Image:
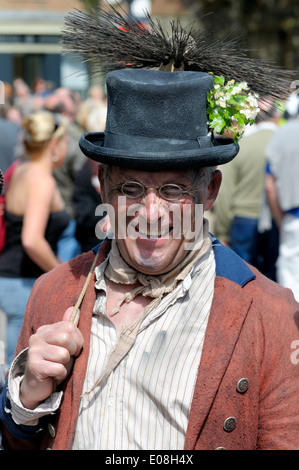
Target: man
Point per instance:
(240, 201)
(283, 198)
(179, 343)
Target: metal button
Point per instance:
(242, 385)
(51, 430)
(221, 448)
(229, 424)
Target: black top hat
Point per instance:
(157, 121)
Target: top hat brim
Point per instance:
(223, 151)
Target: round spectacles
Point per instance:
(170, 192)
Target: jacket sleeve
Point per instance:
(279, 413)
(49, 291)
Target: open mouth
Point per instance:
(152, 234)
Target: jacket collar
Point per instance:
(230, 266)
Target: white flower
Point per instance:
(244, 86)
(249, 113)
(236, 90)
(222, 102)
(252, 101)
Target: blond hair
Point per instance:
(42, 126)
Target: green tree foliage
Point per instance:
(270, 28)
(90, 4)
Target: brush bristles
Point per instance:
(110, 41)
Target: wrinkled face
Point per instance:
(153, 230)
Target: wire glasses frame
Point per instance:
(169, 191)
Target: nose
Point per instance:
(152, 203)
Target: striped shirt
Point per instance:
(143, 399)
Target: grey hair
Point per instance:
(204, 175)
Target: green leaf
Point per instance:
(228, 113)
(219, 124)
(219, 79)
(211, 102)
(241, 119)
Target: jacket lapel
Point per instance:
(229, 309)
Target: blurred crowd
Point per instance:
(257, 210)
(83, 115)
(51, 198)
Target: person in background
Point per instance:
(282, 193)
(35, 217)
(23, 98)
(86, 198)
(11, 145)
(61, 101)
(237, 209)
(91, 117)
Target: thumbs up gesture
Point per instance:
(51, 354)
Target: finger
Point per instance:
(63, 334)
(43, 370)
(59, 354)
(68, 337)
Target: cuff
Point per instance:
(20, 414)
(22, 422)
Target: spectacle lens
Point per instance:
(172, 192)
(132, 189)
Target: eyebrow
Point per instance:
(172, 180)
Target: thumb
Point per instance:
(68, 315)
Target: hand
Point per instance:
(51, 354)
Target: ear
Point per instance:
(213, 189)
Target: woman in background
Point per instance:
(35, 218)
